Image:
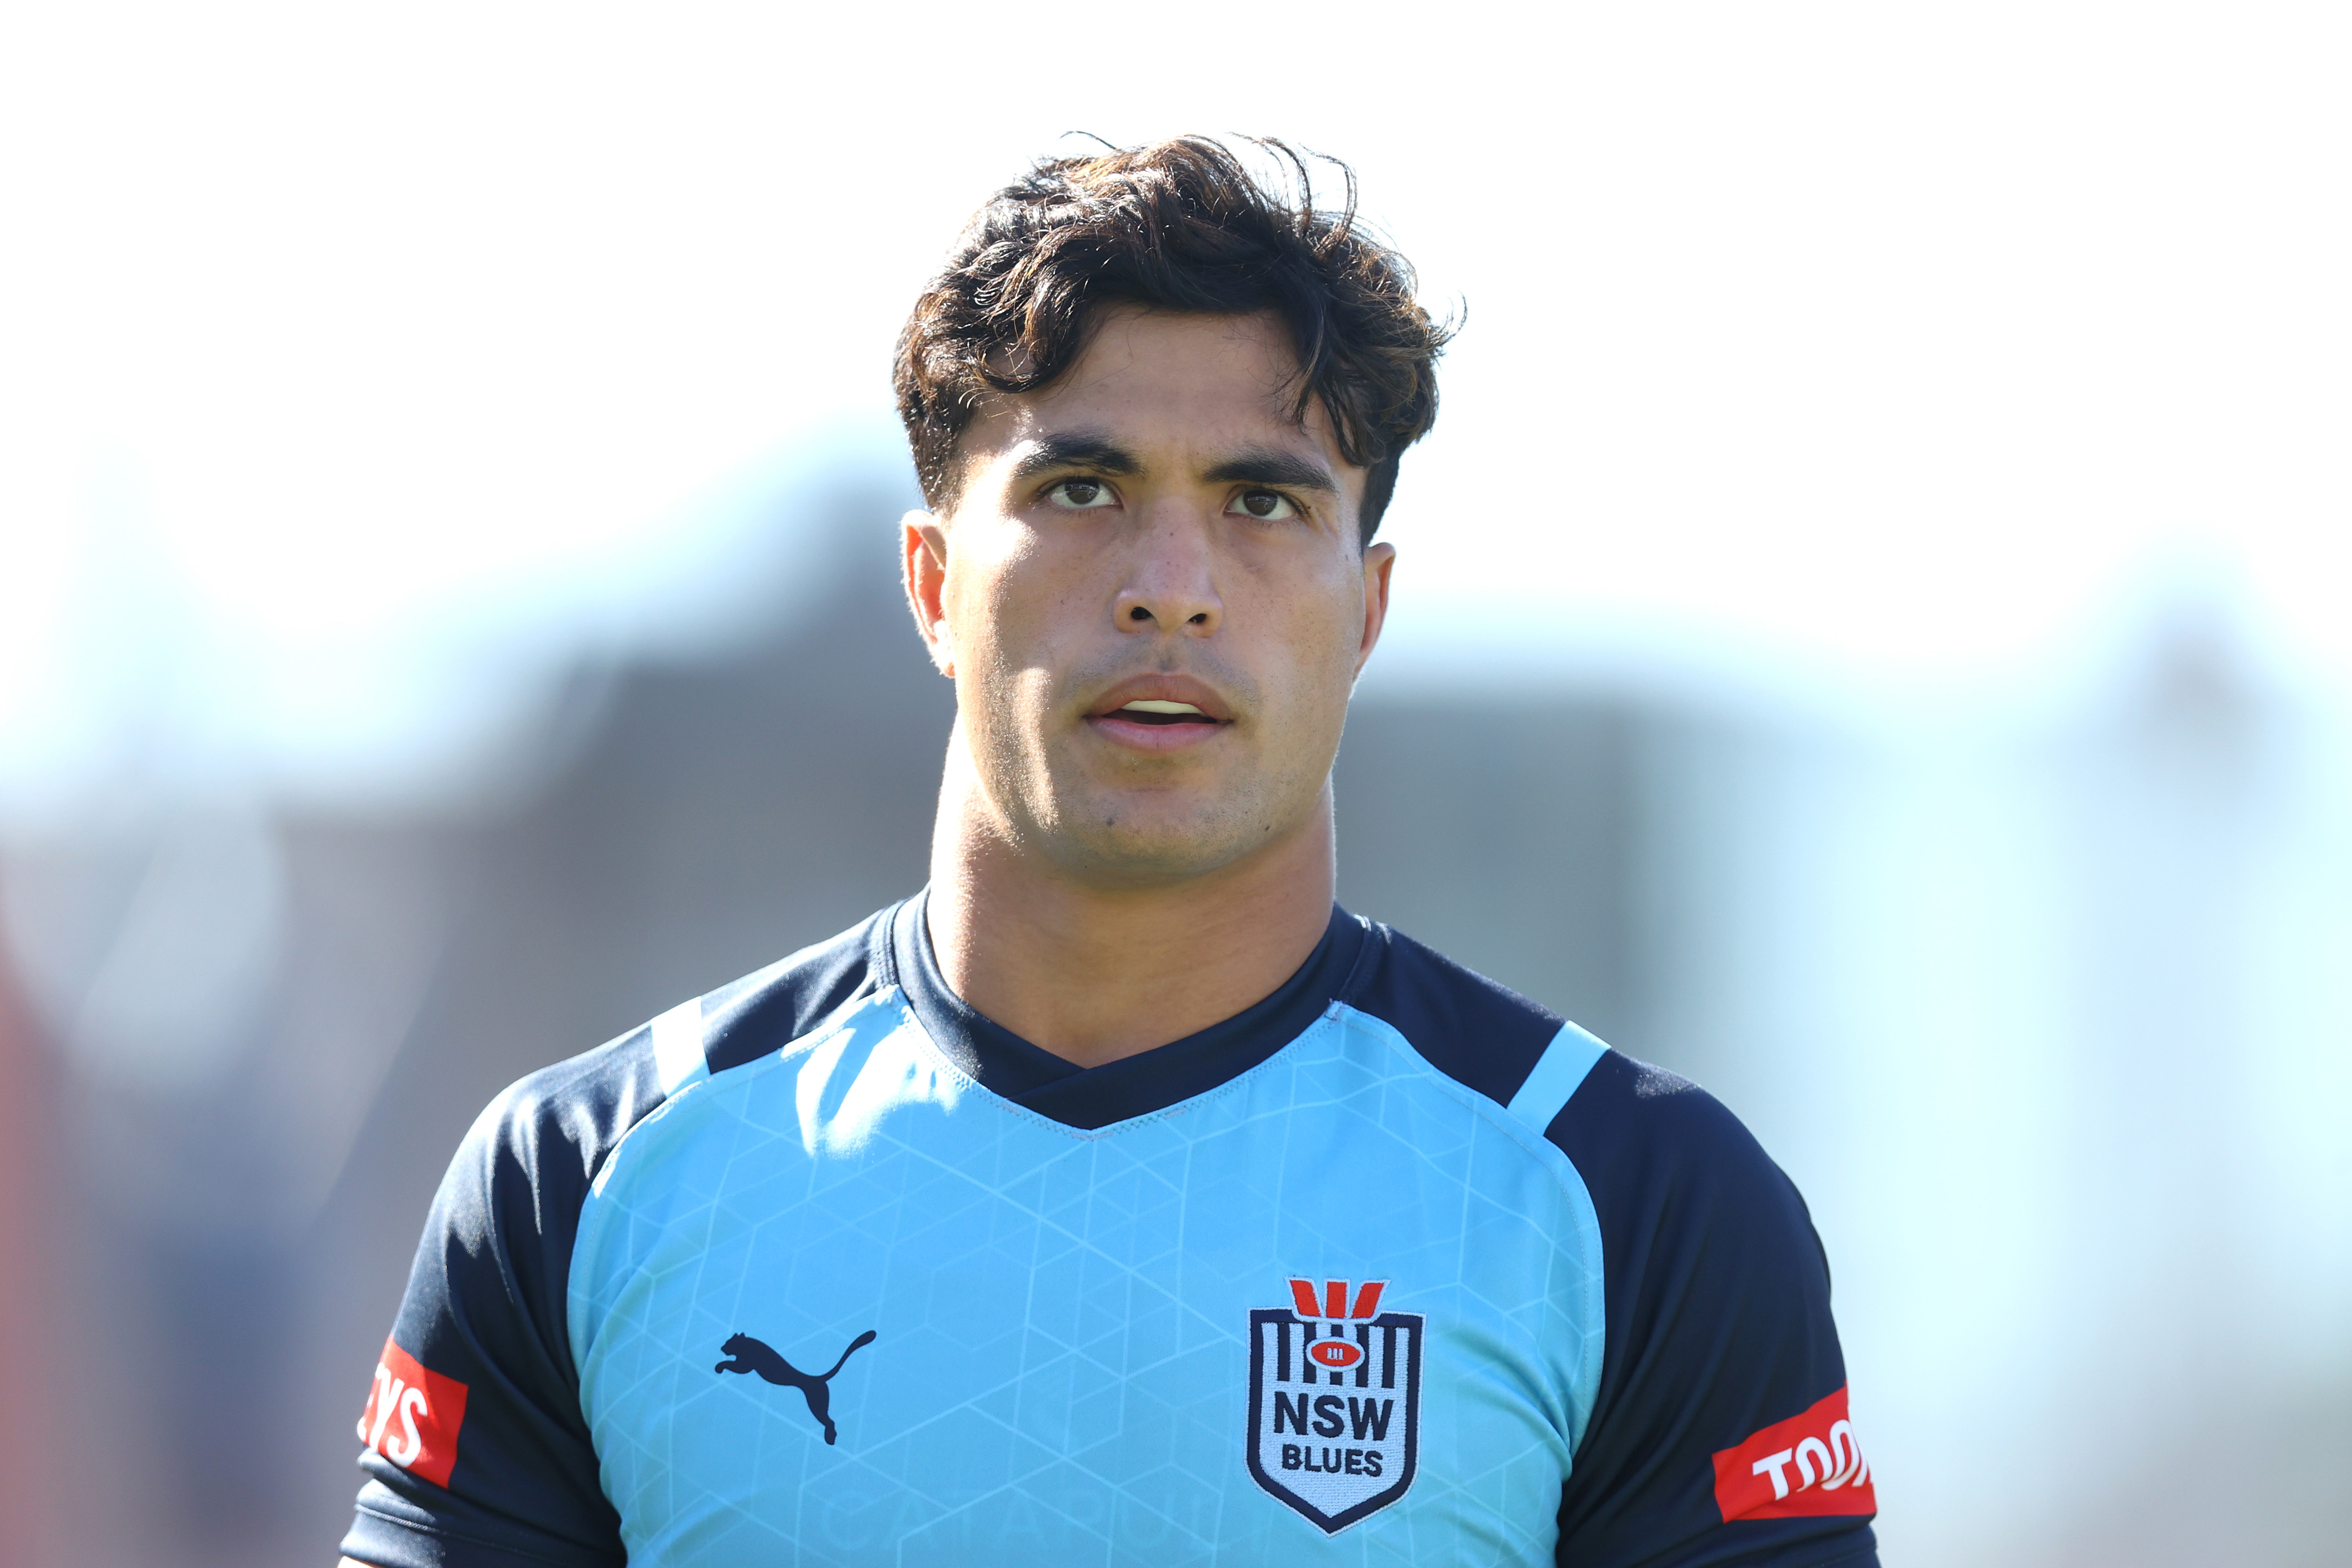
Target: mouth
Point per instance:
(1167, 713)
(1157, 711)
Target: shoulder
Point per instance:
(1720, 1333)
(1682, 1192)
(767, 1010)
(1484, 1036)
(496, 1256)
(1623, 1123)
(1657, 1151)
(1716, 1291)
(553, 1131)
(485, 1318)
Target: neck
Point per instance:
(1095, 973)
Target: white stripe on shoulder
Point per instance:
(1557, 1073)
(678, 1047)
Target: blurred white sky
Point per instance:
(357, 363)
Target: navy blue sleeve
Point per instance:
(1719, 1436)
(477, 1452)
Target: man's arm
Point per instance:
(476, 1450)
(1720, 1432)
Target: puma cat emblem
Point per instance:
(745, 1354)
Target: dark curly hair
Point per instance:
(1181, 226)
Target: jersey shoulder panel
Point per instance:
(765, 1011)
(476, 1448)
(1484, 1036)
(1719, 1329)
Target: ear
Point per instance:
(924, 557)
(1378, 560)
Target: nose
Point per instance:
(1171, 580)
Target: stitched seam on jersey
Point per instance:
(882, 950)
(1540, 1148)
(924, 1042)
(442, 1533)
(1555, 1162)
(1588, 1043)
(1369, 954)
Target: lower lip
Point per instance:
(1154, 737)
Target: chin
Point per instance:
(1131, 844)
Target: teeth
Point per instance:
(1153, 704)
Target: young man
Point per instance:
(1118, 1198)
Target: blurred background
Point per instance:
(1871, 633)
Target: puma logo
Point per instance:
(745, 1354)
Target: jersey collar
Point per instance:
(1005, 1064)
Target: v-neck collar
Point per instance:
(1091, 1097)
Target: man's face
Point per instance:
(1154, 529)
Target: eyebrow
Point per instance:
(1253, 466)
(1075, 449)
(1264, 465)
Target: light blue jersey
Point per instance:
(827, 1269)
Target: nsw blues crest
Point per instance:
(1334, 1401)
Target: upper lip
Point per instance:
(1161, 688)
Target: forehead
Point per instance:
(1181, 385)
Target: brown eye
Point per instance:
(1080, 494)
(1265, 505)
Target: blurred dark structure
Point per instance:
(1513, 836)
(245, 1238)
(30, 1308)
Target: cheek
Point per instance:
(1020, 621)
(1320, 631)
(1022, 591)
(990, 595)
(1326, 619)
